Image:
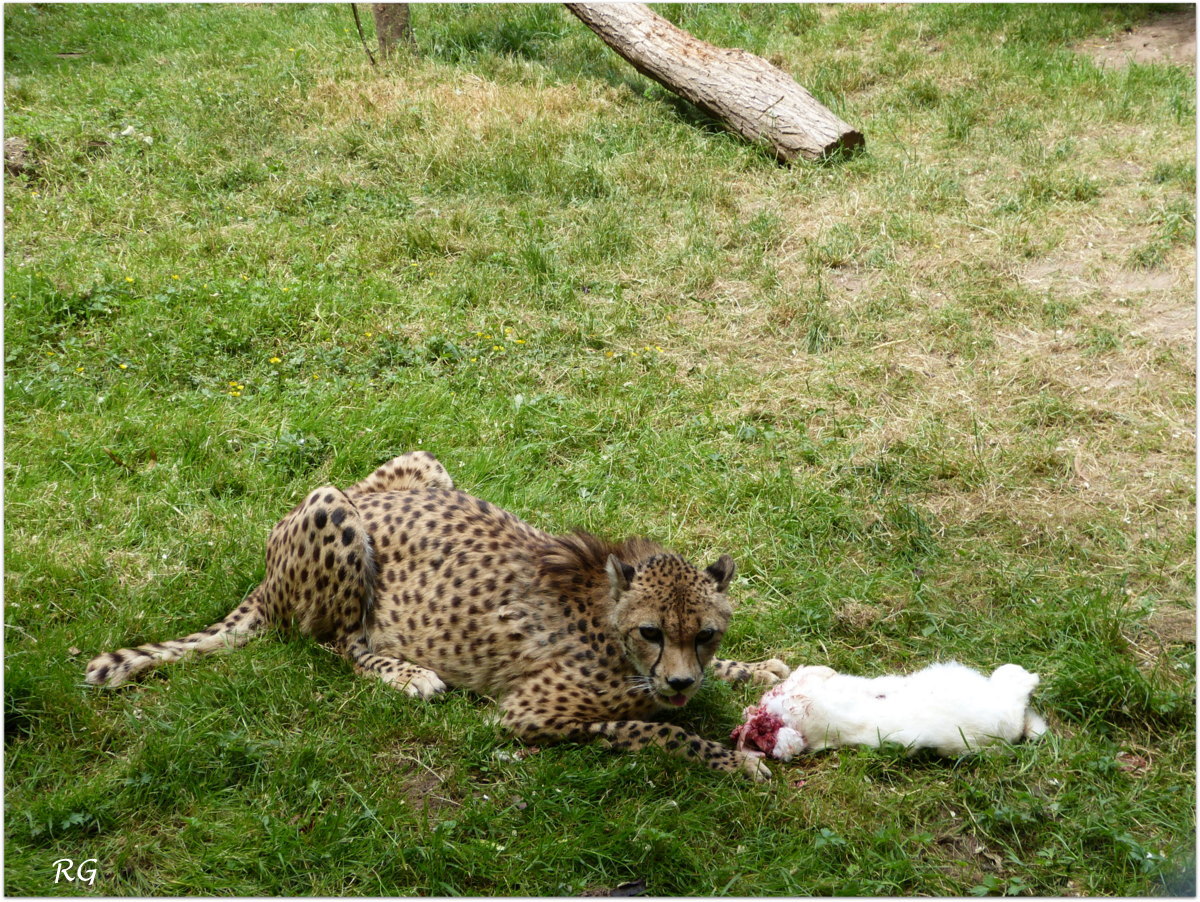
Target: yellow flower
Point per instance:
(79, 369)
(123, 366)
(473, 359)
(236, 394)
(285, 288)
(129, 278)
(657, 348)
(174, 277)
(369, 334)
(497, 347)
(608, 353)
(508, 331)
(520, 341)
(276, 360)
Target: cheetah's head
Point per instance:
(670, 618)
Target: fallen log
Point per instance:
(750, 96)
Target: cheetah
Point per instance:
(426, 587)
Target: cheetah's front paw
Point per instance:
(753, 766)
(769, 672)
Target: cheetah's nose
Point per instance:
(680, 683)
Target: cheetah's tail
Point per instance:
(233, 631)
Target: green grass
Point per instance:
(937, 400)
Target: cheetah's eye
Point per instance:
(651, 633)
(705, 636)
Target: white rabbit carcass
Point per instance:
(947, 707)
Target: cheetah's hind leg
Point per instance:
(417, 681)
(414, 470)
(320, 573)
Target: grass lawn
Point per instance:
(936, 400)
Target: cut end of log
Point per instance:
(847, 144)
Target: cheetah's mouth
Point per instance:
(678, 700)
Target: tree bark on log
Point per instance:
(745, 92)
(392, 27)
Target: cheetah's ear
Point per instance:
(620, 575)
(722, 571)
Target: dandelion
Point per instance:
(520, 341)
(176, 278)
(369, 334)
(497, 347)
(285, 288)
(473, 359)
(79, 369)
(276, 360)
(657, 348)
(508, 331)
(123, 366)
(608, 353)
(129, 278)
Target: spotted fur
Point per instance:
(424, 586)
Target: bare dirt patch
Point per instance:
(17, 159)
(1169, 323)
(1174, 625)
(1167, 38)
(423, 791)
